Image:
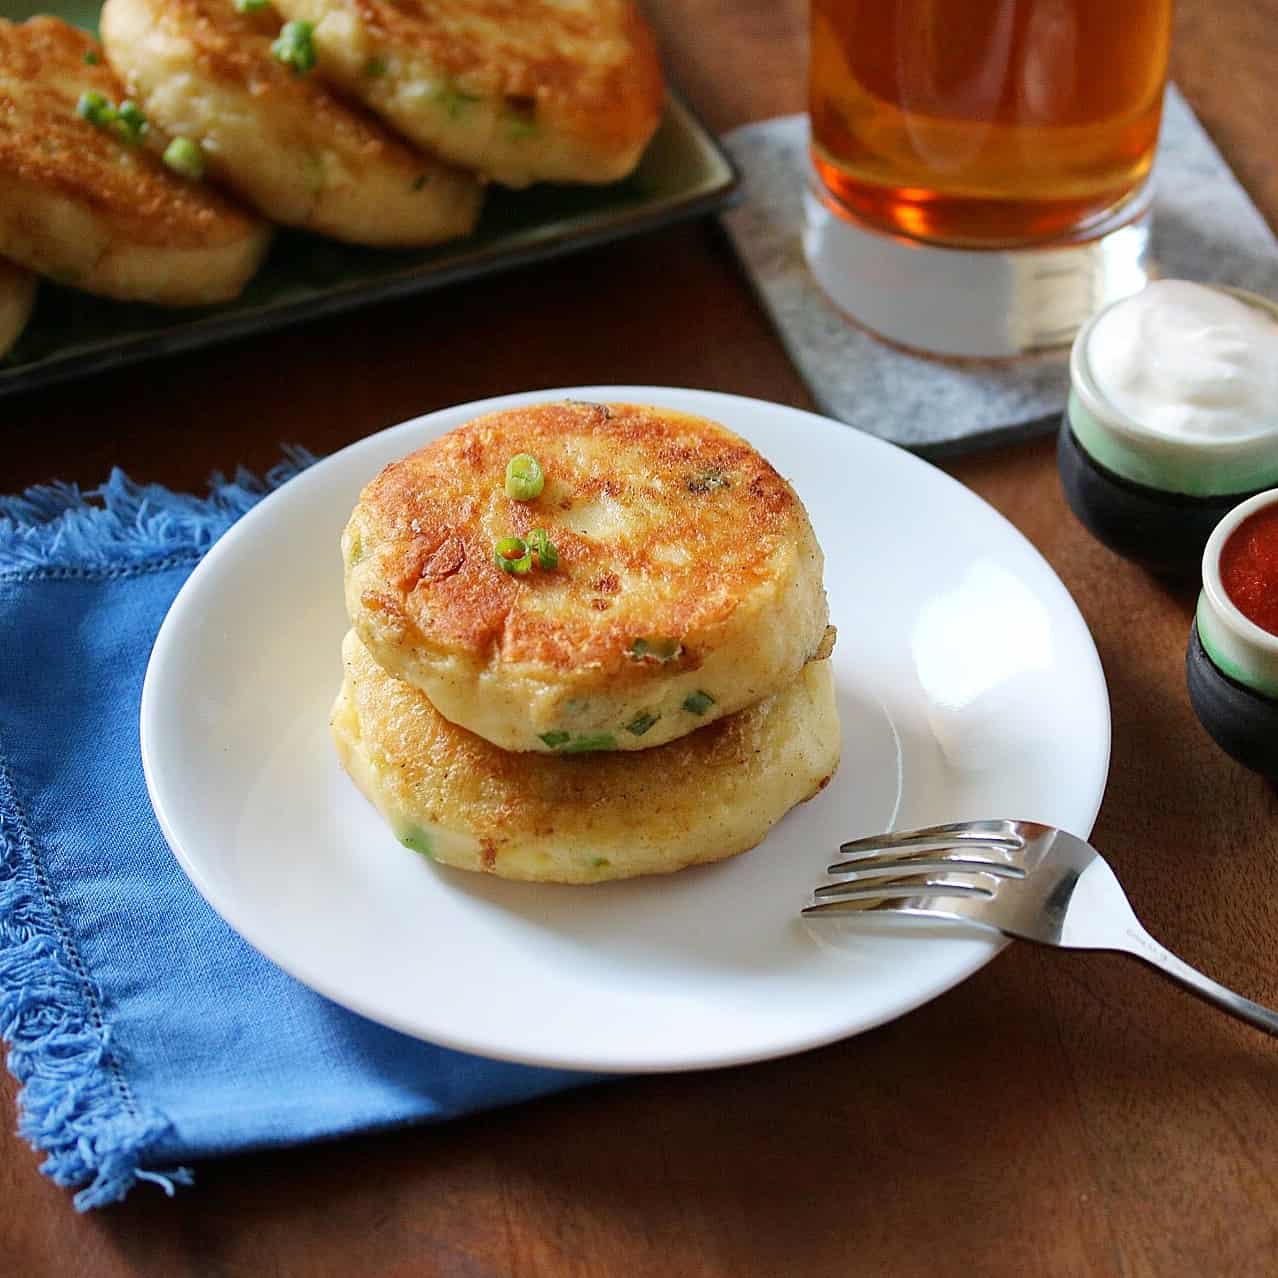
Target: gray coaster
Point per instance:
(1205, 228)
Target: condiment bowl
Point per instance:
(1232, 662)
(1152, 500)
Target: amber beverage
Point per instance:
(986, 123)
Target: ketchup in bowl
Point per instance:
(1232, 661)
(1249, 568)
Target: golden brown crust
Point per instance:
(533, 793)
(518, 90)
(283, 142)
(665, 485)
(688, 584)
(45, 146)
(595, 64)
(225, 43)
(235, 49)
(701, 798)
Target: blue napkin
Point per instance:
(142, 1030)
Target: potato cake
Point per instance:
(17, 296)
(456, 798)
(82, 204)
(274, 133)
(687, 581)
(520, 90)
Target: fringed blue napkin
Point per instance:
(143, 1031)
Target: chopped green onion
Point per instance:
(251, 6)
(524, 478)
(641, 723)
(643, 649)
(375, 68)
(91, 57)
(566, 743)
(581, 745)
(127, 121)
(94, 108)
(547, 555)
(600, 863)
(512, 555)
(295, 47)
(520, 127)
(185, 158)
(420, 181)
(418, 841)
(453, 99)
(698, 702)
(130, 122)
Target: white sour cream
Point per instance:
(1188, 363)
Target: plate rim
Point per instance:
(244, 528)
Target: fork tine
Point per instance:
(925, 910)
(997, 834)
(917, 847)
(956, 862)
(862, 897)
(903, 888)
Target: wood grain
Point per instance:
(1060, 1115)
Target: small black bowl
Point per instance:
(1244, 723)
(1165, 532)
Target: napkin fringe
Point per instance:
(75, 1105)
(111, 530)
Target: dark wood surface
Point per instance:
(1056, 1114)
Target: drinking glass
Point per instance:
(981, 168)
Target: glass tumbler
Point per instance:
(980, 169)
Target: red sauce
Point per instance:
(1249, 568)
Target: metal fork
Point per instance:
(1026, 880)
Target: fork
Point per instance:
(1025, 880)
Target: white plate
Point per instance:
(968, 687)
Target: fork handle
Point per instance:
(1141, 945)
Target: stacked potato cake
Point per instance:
(588, 641)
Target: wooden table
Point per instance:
(1054, 1115)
